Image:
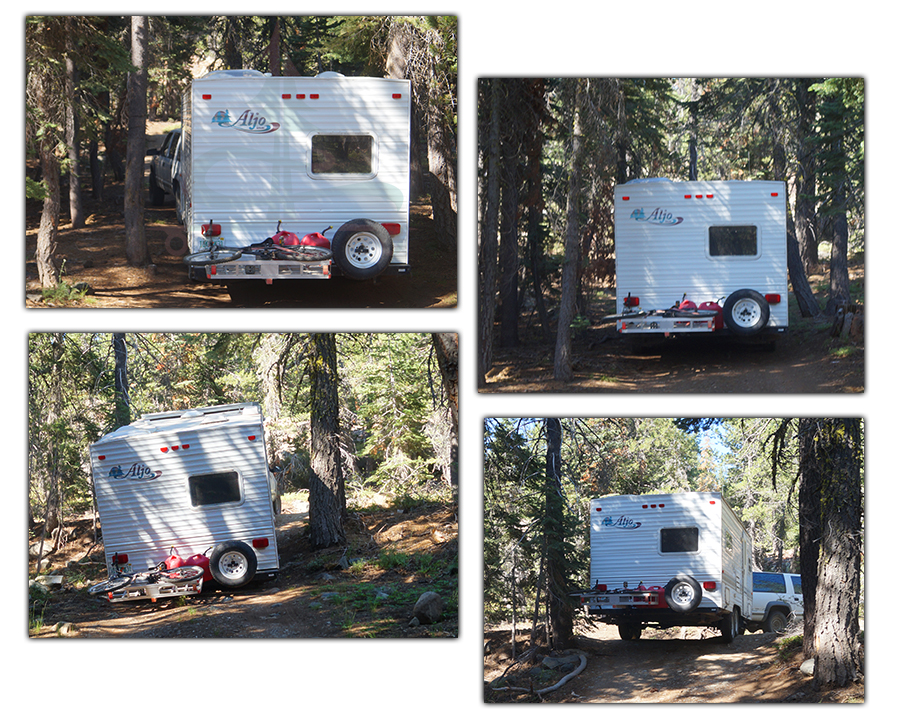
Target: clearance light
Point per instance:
(251, 437)
(260, 543)
(599, 509)
(773, 298)
(393, 228)
(774, 194)
(314, 95)
(301, 95)
(101, 457)
(206, 96)
(285, 95)
(397, 95)
(625, 199)
(709, 585)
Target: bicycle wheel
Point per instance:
(214, 257)
(303, 253)
(181, 574)
(111, 584)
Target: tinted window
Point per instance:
(769, 583)
(341, 154)
(732, 241)
(216, 488)
(795, 582)
(679, 540)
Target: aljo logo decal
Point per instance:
(137, 471)
(621, 522)
(249, 122)
(659, 216)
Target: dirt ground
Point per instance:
(94, 256)
(806, 359)
(312, 596)
(673, 666)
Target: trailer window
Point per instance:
(342, 154)
(679, 540)
(737, 241)
(215, 488)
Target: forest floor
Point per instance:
(806, 359)
(695, 666)
(94, 258)
(402, 554)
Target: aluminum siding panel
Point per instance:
(625, 540)
(661, 263)
(144, 516)
(248, 182)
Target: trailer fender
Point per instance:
(362, 249)
(233, 564)
(683, 594)
(746, 312)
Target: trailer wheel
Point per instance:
(730, 625)
(362, 249)
(629, 632)
(683, 594)
(232, 564)
(746, 312)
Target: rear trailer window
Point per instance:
(215, 488)
(342, 154)
(733, 241)
(769, 583)
(679, 540)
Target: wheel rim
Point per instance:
(747, 313)
(233, 565)
(683, 594)
(364, 250)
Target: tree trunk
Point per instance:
(487, 253)
(76, 209)
(446, 346)
(136, 251)
(805, 206)
(120, 384)
(509, 253)
(809, 499)
(560, 612)
(45, 254)
(837, 646)
(562, 362)
(327, 504)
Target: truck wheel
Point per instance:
(746, 312)
(362, 249)
(629, 632)
(683, 594)
(776, 622)
(232, 564)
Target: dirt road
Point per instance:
(675, 666)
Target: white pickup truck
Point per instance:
(777, 600)
(165, 176)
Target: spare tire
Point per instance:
(362, 249)
(233, 564)
(683, 594)
(746, 312)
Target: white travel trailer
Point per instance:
(187, 483)
(678, 559)
(701, 257)
(326, 155)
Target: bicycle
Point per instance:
(272, 248)
(159, 573)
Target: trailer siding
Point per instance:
(250, 181)
(661, 263)
(142, 490)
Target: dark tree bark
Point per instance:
(831, 460)
(560, 614)
(487, 254)
(509, 247)
(120, 384)
(805, 207)
(76, 209)
(446, 346)
(136, 251)
(327, 502)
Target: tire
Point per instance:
(303, 253)
(181, 574)
(776, 622)
(730, 626)
(745, 312)
(683, 594)
(362, 249)
(629, 632)
(213, 257)
(232, 564)
(111, 584)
